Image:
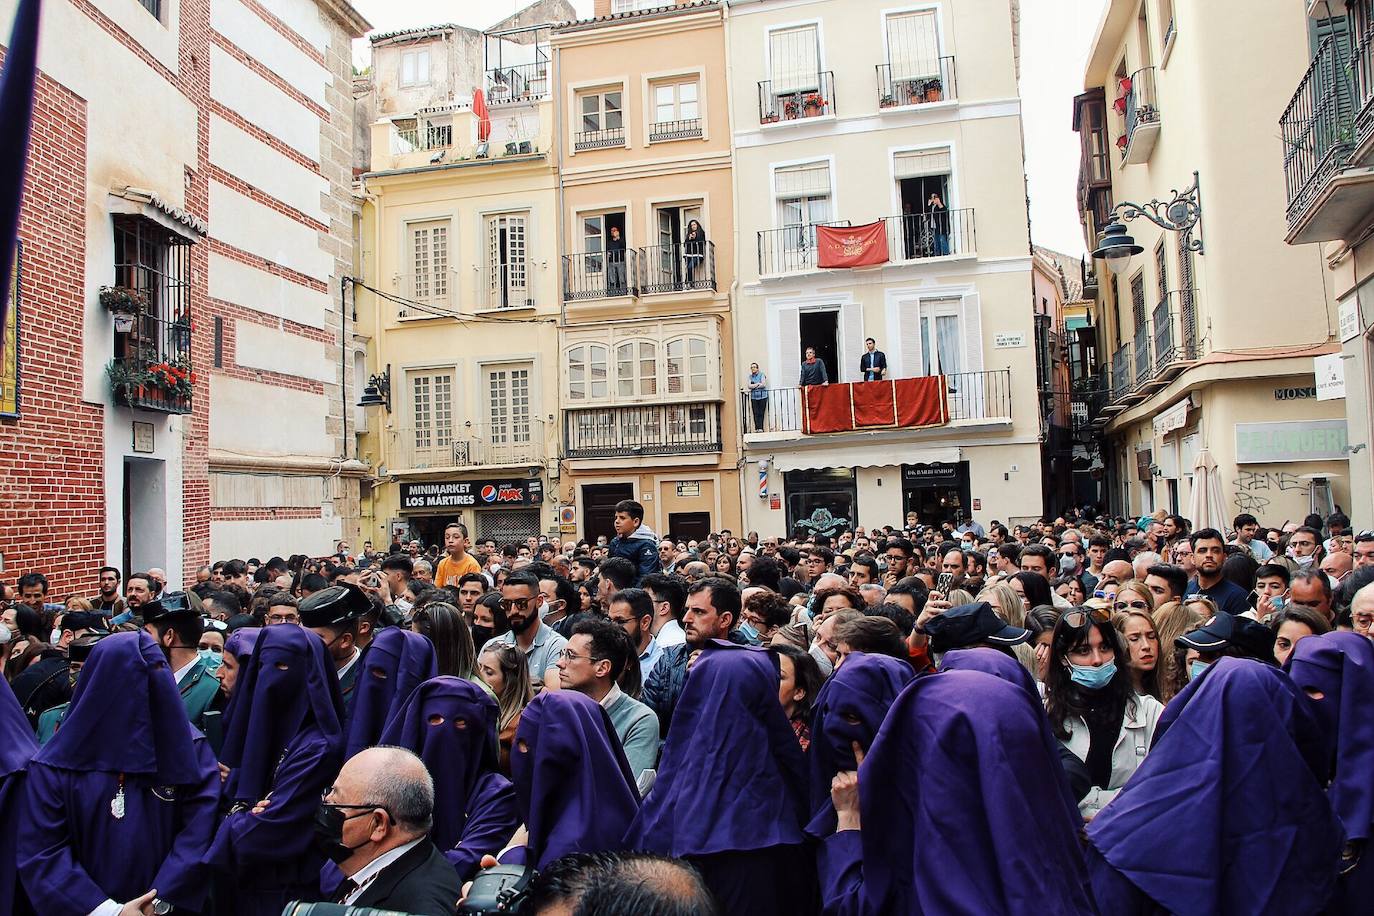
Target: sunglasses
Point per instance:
(1079, 619)
(1131, 605)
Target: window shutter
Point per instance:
(973, 333)
(795, 59)
(787, 350)
(908, 361)
(851, 341)
(913, 45)
(916, 163)
(806, 180)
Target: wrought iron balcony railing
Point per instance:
(801, 96)
(642, 429)
(916, 82)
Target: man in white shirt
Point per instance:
(669, 596)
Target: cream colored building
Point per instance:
(646, 347)
(1328, 148)
(1213, 348)
(858, 111)
(459, 314)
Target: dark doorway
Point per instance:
(429, 529)
(938, 492)
(821, 502)
(598, 507)
(820, 330)
(689, 526)
(919, 229)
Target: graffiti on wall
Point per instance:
(1254, 490)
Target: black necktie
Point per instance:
(348, 887)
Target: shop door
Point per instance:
(598, 508)
(689, 526)
(820, 502)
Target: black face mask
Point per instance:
(328, 830)
(480, 635)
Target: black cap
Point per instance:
(169, 605)
(85, 620)
(80, 648)
(334, 605)
(969, 625)
(1252, 638)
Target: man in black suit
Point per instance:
(374, 824)
(873, 364)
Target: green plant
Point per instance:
(123, 300)
(173, 378)
(128, 374)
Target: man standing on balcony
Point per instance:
(813, 370)
(873, 364)
(758, 395)
(615, 263)
(939, 223)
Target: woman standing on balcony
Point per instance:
(694, 251)
(758, 395)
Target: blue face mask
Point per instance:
(748, 632)
(1091, 678)
(212, 658)
(1196, 668)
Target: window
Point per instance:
(154, 261)
(675, 102)
(636, 368)
(803, 200)
(687, 369)
(431, 408)
(601, 111)
(587, 372)
(941, 345)
(507, 266)
(1161, 271)
(415, 68)
(508, 405)
(913, 45)
(1166, 16)
(1138, 298)
(429, 262)
(154, 7)
(632, 6)
(794, 59)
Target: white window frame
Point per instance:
(637, 379)
(951, 198)
(768, 33)
(440, 442)
(940, 42)
(588, 396)
(635, 6)
(649, 85)
(423, 52)
(489, 291)
(578, 91)
(444, 302)
(511, 433)
(687, 339)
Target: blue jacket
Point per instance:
(641, 549)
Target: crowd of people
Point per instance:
(1079, 715)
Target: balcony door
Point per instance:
(603, 244)
(667, 261)
(923, 187)
(431, 414)
(508, 432)
(507, 265)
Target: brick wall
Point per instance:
(52, 492)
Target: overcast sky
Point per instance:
(1054, 45)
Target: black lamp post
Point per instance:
(1182, 213)
(378, 391)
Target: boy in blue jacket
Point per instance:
(634, 540)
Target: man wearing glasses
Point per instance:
(520, 600)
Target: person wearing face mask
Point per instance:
(1226, 635)
(1093, 708)
(176, 627)
(283, 746)
(374, 825)
(211, 647)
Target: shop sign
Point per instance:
(689, 488)
(462, 494)
(934, 472)
(1295, 394)
(1300, 440)
(775, 501)
(977, 505)
(1330, 372)
(1175, 417)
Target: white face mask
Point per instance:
(5, 634)
(55, 638)
(822, 659)
(403, 605)
(543, 610)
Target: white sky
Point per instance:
(1054, 44)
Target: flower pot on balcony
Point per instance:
(123, 322)
(813, 107)
(770, 118)
(934, 92)
(791, 110)
(887, 101)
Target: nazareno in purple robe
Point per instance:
(863, 688)
(1227, 813)
(283, 738)
(1340, 667)
(395, 664)
(731, 790)
(963, 810)
(17, 746)
(126, 730)
(573, 786)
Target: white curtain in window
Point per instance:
(795, 62)
(810, 179)
(916, 163)
(913, 44)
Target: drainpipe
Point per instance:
(741, 464)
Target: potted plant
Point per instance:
(814, 104)
(770, 118)
(914, 93)
(128, 377)
(173, 378)
(791, 108)
(887, 101)
(934, 90)
(125, 303)
(1121, 143)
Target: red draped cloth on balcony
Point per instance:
(905, 403)
(851, 246)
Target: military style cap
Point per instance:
(334, 605)
(171, 604)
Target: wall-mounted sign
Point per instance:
(1008, 341)
(1295, 394)
(934, 472)
(567, 515)
(143, 438)
(1330, 372)
(1348, 318)
(689, 488)
(977, 505)
(1300, 440)
(1175, 417)
(461, 494)
(775, 501)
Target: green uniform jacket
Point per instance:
(199, 694)
(49, 720)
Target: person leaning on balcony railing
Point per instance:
(813, 370)
(694, 250)
(758, 395)
(615, 262)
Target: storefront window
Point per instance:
(821, 501)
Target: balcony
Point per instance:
(1140, 107)
(910, 85)
(1326, 200)
(467, 446)
(600, 274)
(518, 83)
(918, 236)
(1174, 331)
(608, 138)
(1140, 347)
(153, 368)
(423, 138)
(685, 129)
(642, 430)
(972, 397)
(803, 97)
(677, 268)
(791, 248)
(1122, 381)
(506, 285)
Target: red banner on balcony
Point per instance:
(906, 403)
(851, 246)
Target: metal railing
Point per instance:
(506, 285)
(685, 129)
(424, 137)
(146, 356)
(468, 445)
(970, 395)
(1144, 366)
(914, 236)
(642, 429)
(790, 248)
(677, 268)
(598, 139)
(1142, 105)
(809, 96)
(518, 83)
(1121, 372)
(916, 83)
(1174, 330)
(600, 274)
(1362, 70)
(1317, 127)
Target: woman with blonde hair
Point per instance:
(1172, 619)
(1005, 602)
(1132, 595)
(505, 671)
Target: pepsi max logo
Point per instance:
(488, 494)
(494, 494)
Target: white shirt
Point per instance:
(357, 654)
(611, 696)
(365, 875)
(184, 670)
(670, 634)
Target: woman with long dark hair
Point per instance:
(1033, 588)
(694, 250)
(799, 682)
(448, 631)
(1093, 707)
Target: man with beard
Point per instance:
(108, 601)
(713, 607)
(542, 646)
(632, 609)
(176, 627)
(1209, 552)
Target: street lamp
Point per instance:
(1182, 213)
(378, 391)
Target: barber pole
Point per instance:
(763, 480)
